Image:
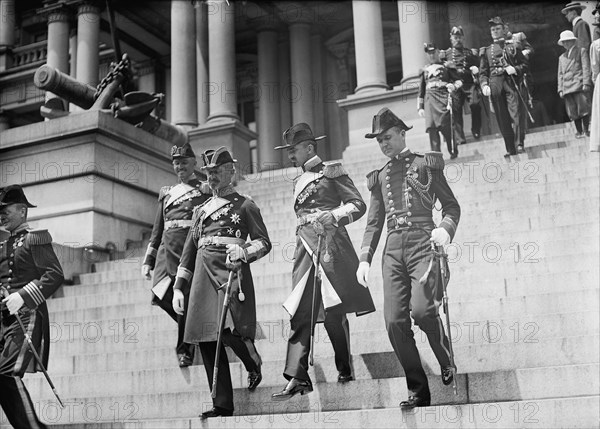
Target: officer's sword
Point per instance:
(37, 357)
(443, 257)
(318, 227)
(449, 106)
(213, 392)
(505, 58)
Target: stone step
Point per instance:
(191, 385)
(106, 307)
(153, 332)
(545, 413)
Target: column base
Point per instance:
(371, 87)
(226, 132)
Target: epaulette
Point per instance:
(372, 179)
(38, 237)
(248, 197)
(434, 160)
(333, 169)
(482, 51)
(163, 192)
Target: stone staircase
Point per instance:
(524, 296)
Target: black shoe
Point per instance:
(454, 155)
(185, 360)
(216, 412)
(413, 402)
(294, 386)
(520, 149)
(447, 375)
(345, 378)
(509, 154)
(254, 379)
(476, 136)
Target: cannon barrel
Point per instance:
(49, 79)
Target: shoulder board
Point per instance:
(333, 169)
(372, 179)
(247, 197)
(482, 51)
(163, 192)
(434, 160)
(38, 236)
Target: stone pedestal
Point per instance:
(94, 179)
(229, 133)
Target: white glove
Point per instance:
(526, 52)
(178, 301)
(510, 70)
(325, 218)
(474, 69)
(13, 302)
(235, 253)
(486, 90)
(421, 113)
(362, 273)
(440, 236)
(450, 87)
(458, 84)
(146, 272)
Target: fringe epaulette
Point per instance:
(333, 169)
(482, 51)
(163, 192)
(372, 179)
(434, 160)
(37, 237)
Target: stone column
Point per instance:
(268, 124)
(183, 64)
(285, 108)
(368, 42)
(301, 76)
(202, 61)
(318, 92)
(146, 76)
(73, 53)
(414, 32)
(58, 42)
(221, 51)
(88, 32)
(7, 32)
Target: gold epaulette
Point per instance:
(38, 237)
(372, 179)
(434, 160)
(163, 192)
(333, 169)
(482, 51)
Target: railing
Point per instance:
(29, 54)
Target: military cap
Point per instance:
(383, 121)
(13, 194)
(429, 47)
(214, 158)
(457, 31)
(184, 151)
(573, 5)
(296, 134)
(496, 21)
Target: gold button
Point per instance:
(387, 186)
(408, 214)
(387, 177)
(389, 194)
(409, 224)
(10, 263)
(409, 205)
(391, 202)
(8, 287)
(409, 189)
(407, 165)
(407, 159)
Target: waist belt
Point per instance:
(219, 241)
(304, 219)
(406, 221)
(436, 84)
(497, 71)
(178, 223)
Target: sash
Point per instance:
(304, 180)
(177, 192)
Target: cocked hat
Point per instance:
(13, 194)
(383, 121)
(184, 151)
(296, 134)
(216, 157)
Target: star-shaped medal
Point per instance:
(235, 218)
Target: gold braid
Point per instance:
(422, 189)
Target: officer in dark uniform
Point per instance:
(324, 197)
(462, 61)
(403, 194)
(216, 245)
(501, 69)
(436, 83)
(171, 225)
(29, 274)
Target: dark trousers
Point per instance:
(458, 100)
(506, 105)
(298, 350)
(435, 142)
(406, 258)
(166, 303)
(15, 357)
(244, 349)
(476, 116)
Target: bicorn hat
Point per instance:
(184, 151)
(496, 21)
(215, 157)
(296, 134)
(13, 194)
(383, 121)
(458, 30)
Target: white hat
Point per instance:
(566, 35)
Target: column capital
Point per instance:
(89, 6)
(296, 13)
(56, 12)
